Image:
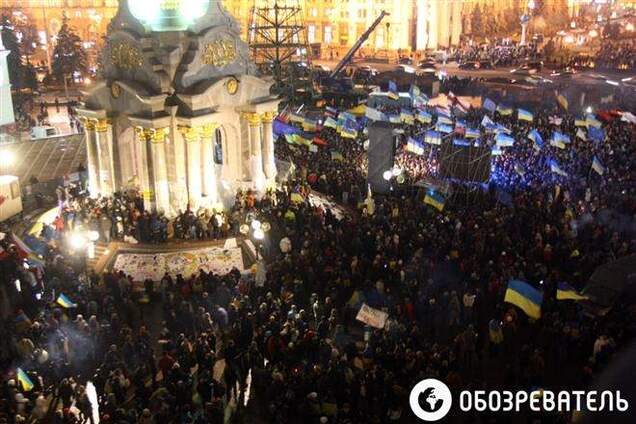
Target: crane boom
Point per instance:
(347, 57)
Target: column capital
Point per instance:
(190, 134)
(101, 125)
(253, 119)
(89, 123)
(145, 134)
(268, 117)
(159, 135)
(207, 130)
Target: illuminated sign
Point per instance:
(168, 15)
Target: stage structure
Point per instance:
(278, 42)
(465, 163)
(179, 113)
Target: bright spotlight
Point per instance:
(256, 225)
(93, 235)
(259, 234)
(387, 175)
(7, 158)
(589, 109)
(77, 241)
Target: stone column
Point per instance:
(193, 152)
(269, 162)
(208, 172)
(160, 171)
(256, 157)
(105, 157)
(144, 136)
(91, 157)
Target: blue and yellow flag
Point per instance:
(432, 137)
(524, 115)
(337, 156)
(424, 117)
(567, 292)
(24, 380)
(525, 297)
(435, 200)
(597, 166)
(65, 302)
(504, 110)
(393, 91)
(414, 146)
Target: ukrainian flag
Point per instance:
(435, 200)
(424, 117)
(504, 110)
(441, 119)
(526, 297)
(64, 301)
(348, 132)
(407, 117)
(414, 146)
(24, 380)
(393, 91)
(524, 115)
(433, 137)
(330, 123)
(578, 122)
(567, 292)
(591, 121)
(597, 166)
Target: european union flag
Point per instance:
(489, 105)
(596, 133)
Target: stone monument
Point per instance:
(179, 113)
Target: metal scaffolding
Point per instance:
(278, 43)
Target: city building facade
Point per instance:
(334, 24)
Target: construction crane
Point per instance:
(347, 57)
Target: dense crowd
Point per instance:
(497, 55)
(184, 348)
(619, 55)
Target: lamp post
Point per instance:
(258, 230)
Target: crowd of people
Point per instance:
(287, 348)
(497, 55)
(618, 55)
